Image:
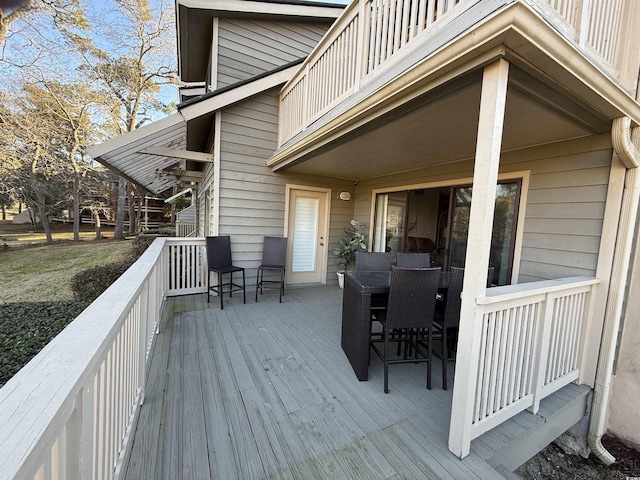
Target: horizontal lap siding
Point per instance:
(252, 197)
(565, 211)
(565, 203)
(249, 47)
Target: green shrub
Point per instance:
(26, 327)
(89, 284)
(163, 231)
(141, 243)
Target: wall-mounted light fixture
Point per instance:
(345, 195)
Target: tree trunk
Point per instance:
(76, 207)
(44, 219)
(41, 199)
(133, 226)
(118, 233)
(98, 225)
(4, 212)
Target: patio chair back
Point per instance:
(413, 260)
(373, 261)
(412, 297)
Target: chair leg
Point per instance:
(385, 358)
(445, 355)
(257, 282)
(220, 290)
(429, 347)
(208, 286)
(283, 277)
(281, 285)
(244, 289)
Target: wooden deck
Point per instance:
(263, 390)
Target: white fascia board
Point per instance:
(267, 8)
(96, 151)
(237, 94)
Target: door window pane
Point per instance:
(305, 234)
(502, 239)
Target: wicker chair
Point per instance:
(413, 260)
(219, 261)
(411, 306)
(274, 254)
(373, 262)
(447, 319)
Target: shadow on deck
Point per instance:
(263, 390)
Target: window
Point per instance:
(436, 221)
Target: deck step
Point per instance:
(511, 444)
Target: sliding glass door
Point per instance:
(436, 221)
(503, 238)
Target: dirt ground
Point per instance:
(554, 464)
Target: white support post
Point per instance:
(214, 227)
(485, 179)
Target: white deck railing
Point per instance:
(531, 345)
(70, 411)
(370, 33)
(185, 229)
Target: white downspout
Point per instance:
(626, 150)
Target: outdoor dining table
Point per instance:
(359, 287)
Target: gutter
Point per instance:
(624, 141)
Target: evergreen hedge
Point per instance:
(26, 327)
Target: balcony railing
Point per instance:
(371, 33)
(70, 412)
(531, 344)
(185, 229)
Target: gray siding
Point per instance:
(565, 210)
(249, 47)
(252, 197)
(565, 203)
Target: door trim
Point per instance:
(327, 211)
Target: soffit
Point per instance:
(436, 130)
(153, 172)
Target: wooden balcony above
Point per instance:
(382, 61)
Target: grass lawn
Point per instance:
(36, 300)
(43, 273)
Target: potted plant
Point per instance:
(346, 248)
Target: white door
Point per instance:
(306, 231)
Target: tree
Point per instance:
(131, 74)
(96, 192)
(63, 13)
(69, 107)
(43, 135)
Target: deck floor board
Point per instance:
(264, 391)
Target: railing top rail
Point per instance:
(523, 290)
(186, 240)
(47, 386)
